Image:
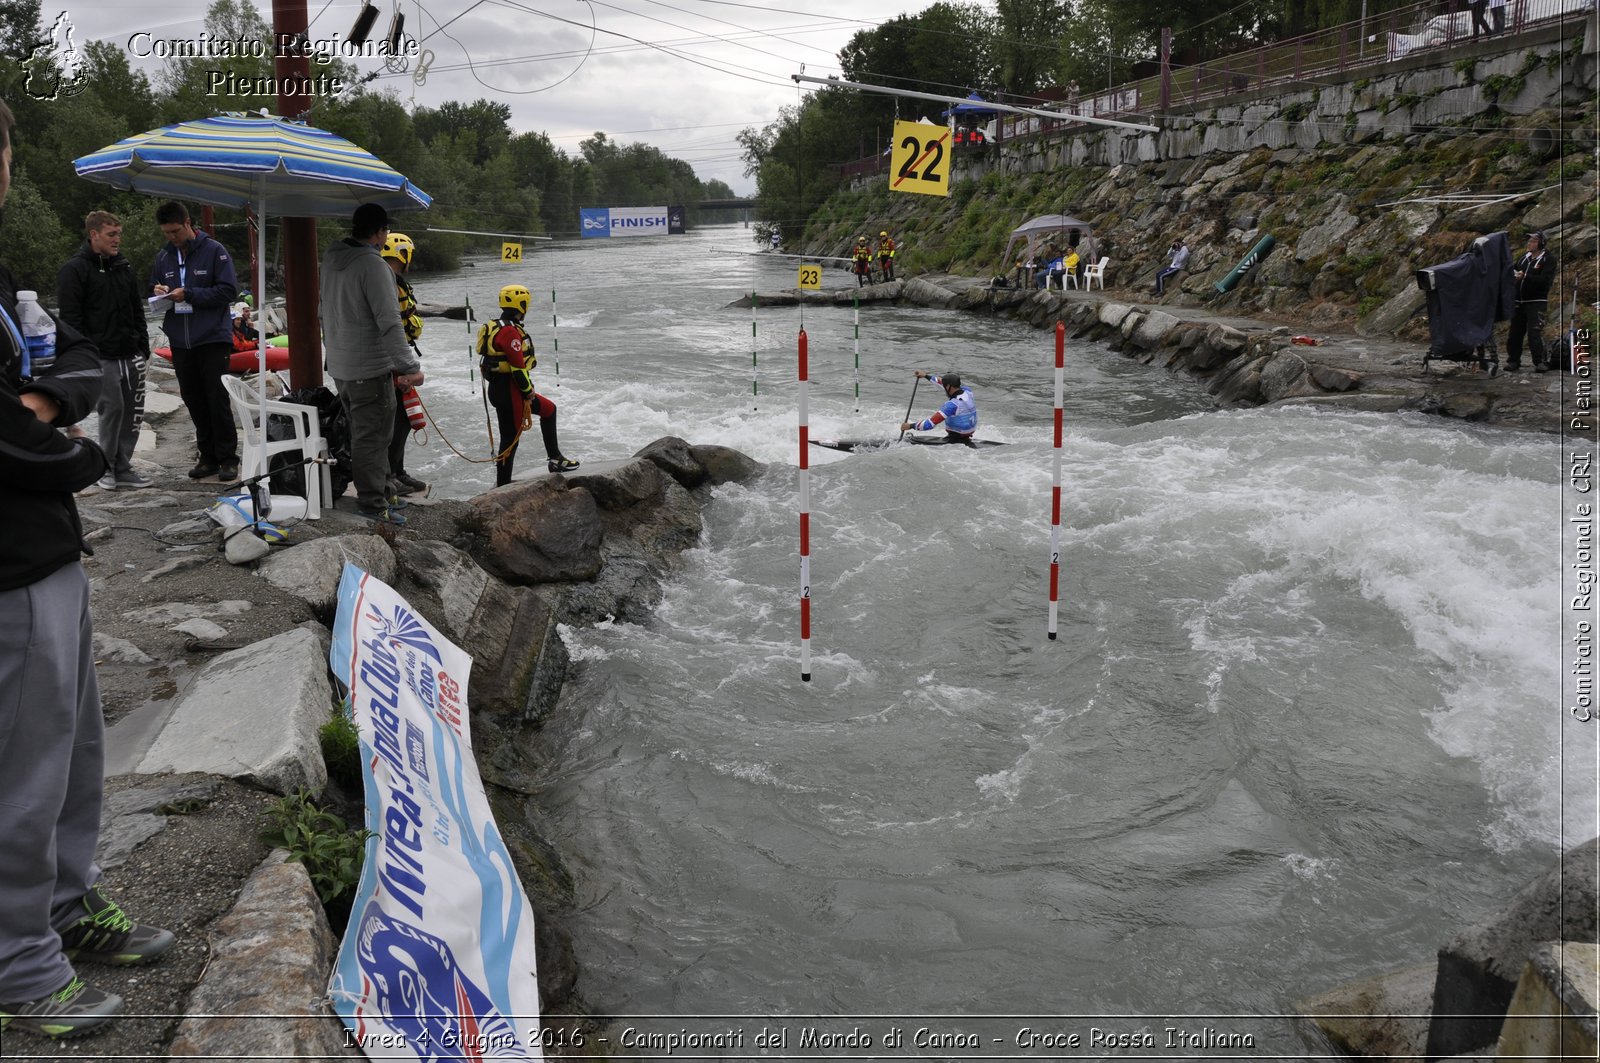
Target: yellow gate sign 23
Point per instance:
(810, 276)
(510, 252)
(920, 161)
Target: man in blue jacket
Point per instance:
(52, 911)
(196, 273)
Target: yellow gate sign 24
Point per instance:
(510, 252)
(810, 276)
(920, 161)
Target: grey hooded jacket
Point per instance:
(361, 330)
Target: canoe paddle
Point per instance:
(910, 404)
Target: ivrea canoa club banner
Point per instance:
(438, 960)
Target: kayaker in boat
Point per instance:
(958, 413)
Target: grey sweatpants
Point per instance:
(121, 408)
(369, 405)
(50, 777)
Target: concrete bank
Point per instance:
(1243, 361)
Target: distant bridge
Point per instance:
(726, 204)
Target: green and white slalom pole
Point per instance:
(555, 335)
(471, 352)
(754, 384)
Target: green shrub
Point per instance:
(341, 749)
(331, 850)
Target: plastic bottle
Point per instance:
(38, 332)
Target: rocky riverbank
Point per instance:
(1245, 361)
(215, 683)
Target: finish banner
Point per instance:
(438, 960)
(598, 222)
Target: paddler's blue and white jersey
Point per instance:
(959, 415)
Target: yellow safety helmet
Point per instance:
(400, 248)
(861, 239)
(515, 297)
(884, 233)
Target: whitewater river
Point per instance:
(1301, 725)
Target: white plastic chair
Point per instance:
(306, 441)
(1096, 272)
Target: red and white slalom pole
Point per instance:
(805, 521)
(1055, 480)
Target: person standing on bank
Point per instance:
(367, 353)
(99, 297)
(1534, 272)
(397, 252)
(196, 274)
(958, 413)
(507, 358)
(52, 911)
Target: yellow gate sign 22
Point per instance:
(920, 161)
(810, 276)
(510, 252)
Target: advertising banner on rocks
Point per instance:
(438, 959)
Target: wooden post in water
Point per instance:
(1055, 479)
(805, 522)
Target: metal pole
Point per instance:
(754, 381)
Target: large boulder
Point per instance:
(1478, 971)
(535, 531)
(677, 459)
(1383, 1017)
(726, 465)
(216, 725)
(263, 993)
(311, 571)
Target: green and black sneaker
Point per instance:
(107, 935)
(74, 1009)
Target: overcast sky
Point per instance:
(682, 75)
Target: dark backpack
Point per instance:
(288, 476)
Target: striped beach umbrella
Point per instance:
(257, 161)
(241, 160)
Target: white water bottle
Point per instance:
(38, 332)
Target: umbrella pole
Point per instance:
(261, 336)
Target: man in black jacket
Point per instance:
(99, 296)
(1534, 272)
(52, 910)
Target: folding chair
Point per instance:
(1096, 272)
(305, 442)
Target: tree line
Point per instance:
(481, 173)
(1018, 51)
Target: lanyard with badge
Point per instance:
(185, 307)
